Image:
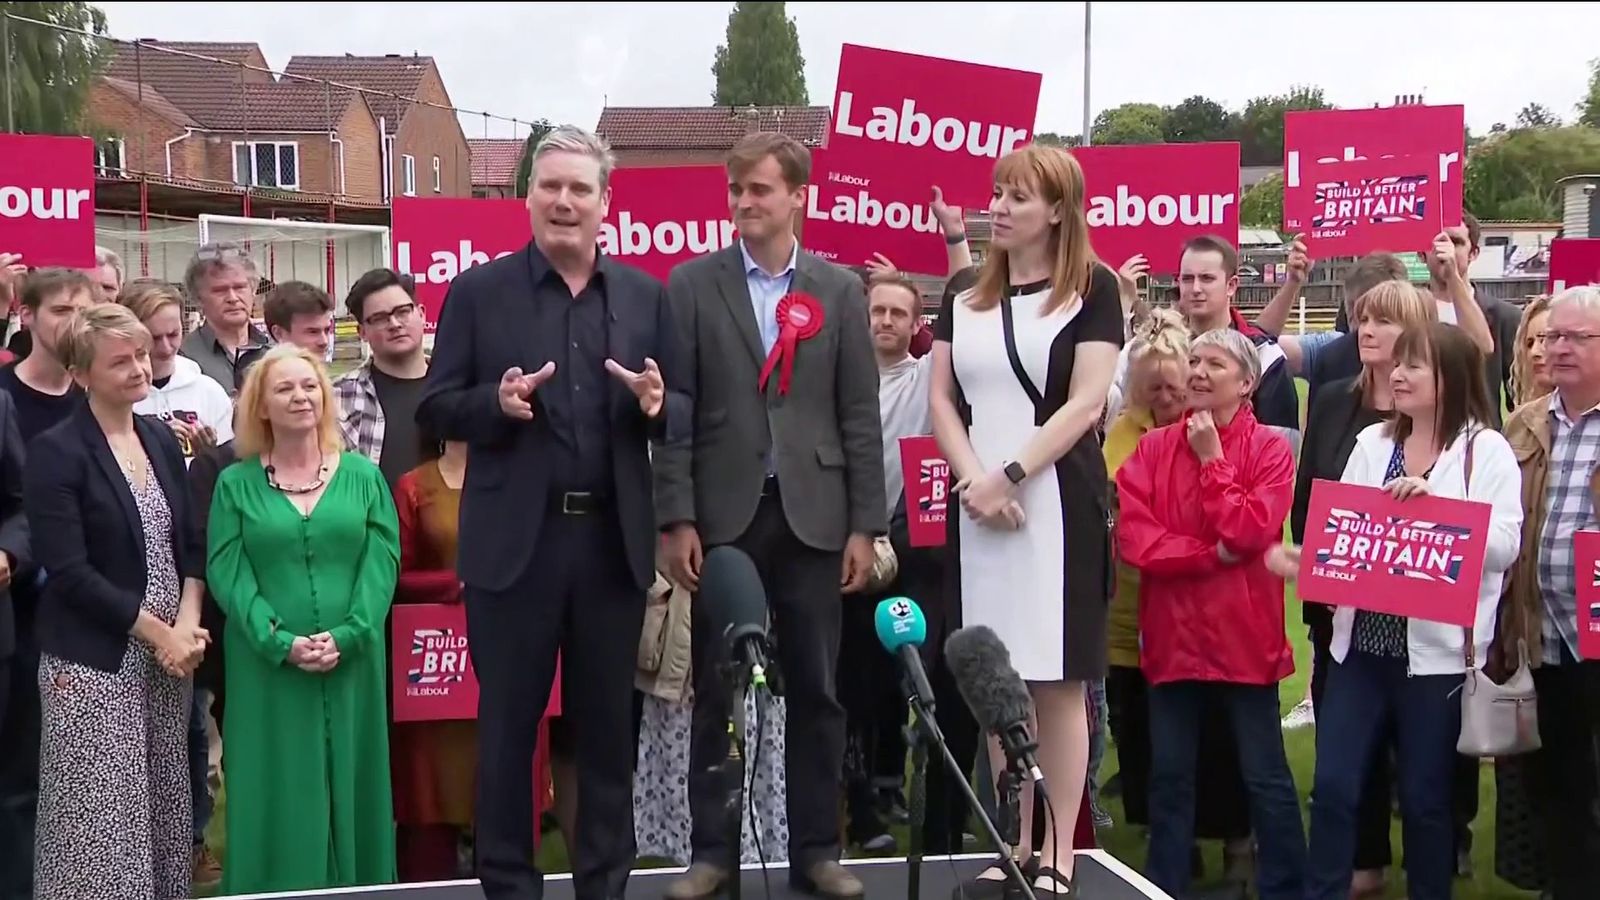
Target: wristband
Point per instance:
(955, 239)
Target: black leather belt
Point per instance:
(579, 503)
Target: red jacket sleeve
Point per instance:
(1248, 508)
(1143, 541)
(418, 585)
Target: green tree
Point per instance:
(1514, 174)
(1130, 123)
(52, 70)
(1262, 205)
(760, 63)
(1261, 124)
(1589, 109)
(536, 132)
(1051, 139)
(1199, 119)
(1537, 115)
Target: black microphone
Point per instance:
(994, 691)
(732, 597)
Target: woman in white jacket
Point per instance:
(1406, 672)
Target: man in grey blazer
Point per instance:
(791, 472)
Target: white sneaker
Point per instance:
(1301, 716)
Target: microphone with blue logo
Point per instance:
(901, 630)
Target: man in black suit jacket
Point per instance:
(557, 542)
(15, 553)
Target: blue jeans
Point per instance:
(1175, 710)
(199, 767)
(1366, 697)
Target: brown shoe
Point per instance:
(701, 881)
(206, 871)
(828, 879)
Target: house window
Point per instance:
(436, 175)
(408, 175)
(110, 158)
(267, 164)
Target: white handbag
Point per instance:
(1496, 719)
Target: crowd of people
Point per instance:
(204, 526)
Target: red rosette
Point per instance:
(799, 317)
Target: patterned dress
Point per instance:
(114, 814)
(1383, 634)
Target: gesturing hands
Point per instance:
(1299, 261)
(646, 385)
(315, 654)
(1136, 267)
(516, 390)
(948, 217)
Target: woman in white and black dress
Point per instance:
(1022, 365)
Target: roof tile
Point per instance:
(153, 100)
(495, 160)
(707, 127)
(199, 87)
(393, 74)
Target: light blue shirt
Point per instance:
(765, 292)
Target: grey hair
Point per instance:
(1235, 345)
(572, 139)
(105, 256)
(1585, 297)
(213, 256)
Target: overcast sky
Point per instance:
(564, 61)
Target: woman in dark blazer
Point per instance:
(1337, 412)
(119, 628)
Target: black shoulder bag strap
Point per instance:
(1008, 324)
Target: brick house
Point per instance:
(214, 123)
(494, 166)
(424, 150)
(700, 135)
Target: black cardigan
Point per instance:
(89, 540)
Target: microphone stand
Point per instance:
(733, 768)
(929, 729)
(918, 807)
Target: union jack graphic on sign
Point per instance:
(418, 673)
(932, 478)
(1356, 201)
(1444, 567)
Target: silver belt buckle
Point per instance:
(566, 503)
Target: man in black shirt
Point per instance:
(44, 395)
(378, 401)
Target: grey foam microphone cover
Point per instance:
(981, 666)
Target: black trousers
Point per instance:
(875, 714)
(19, 773)
(576, 597)
(1565, 783)
(802, 586)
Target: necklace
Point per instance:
(309, 487)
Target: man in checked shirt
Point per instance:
(1556, 439)
(378, 401)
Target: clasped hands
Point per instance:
(316, 654)
(516, 389)
(991, 500)
(180, 648)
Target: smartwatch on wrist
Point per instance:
(1014, 472)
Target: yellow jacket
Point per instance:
(1122, 625)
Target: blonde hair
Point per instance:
(1055, 176)
(1400, 302)
(1522, 386)
(145, 297)
(252, 433)
(1161, 338)
(81, 338)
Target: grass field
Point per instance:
(1128, 843)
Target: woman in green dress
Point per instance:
(304, 554)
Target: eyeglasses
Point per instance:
(400, 314)
(1579, 338)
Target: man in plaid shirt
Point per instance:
(378, 401)
(1557, 442)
